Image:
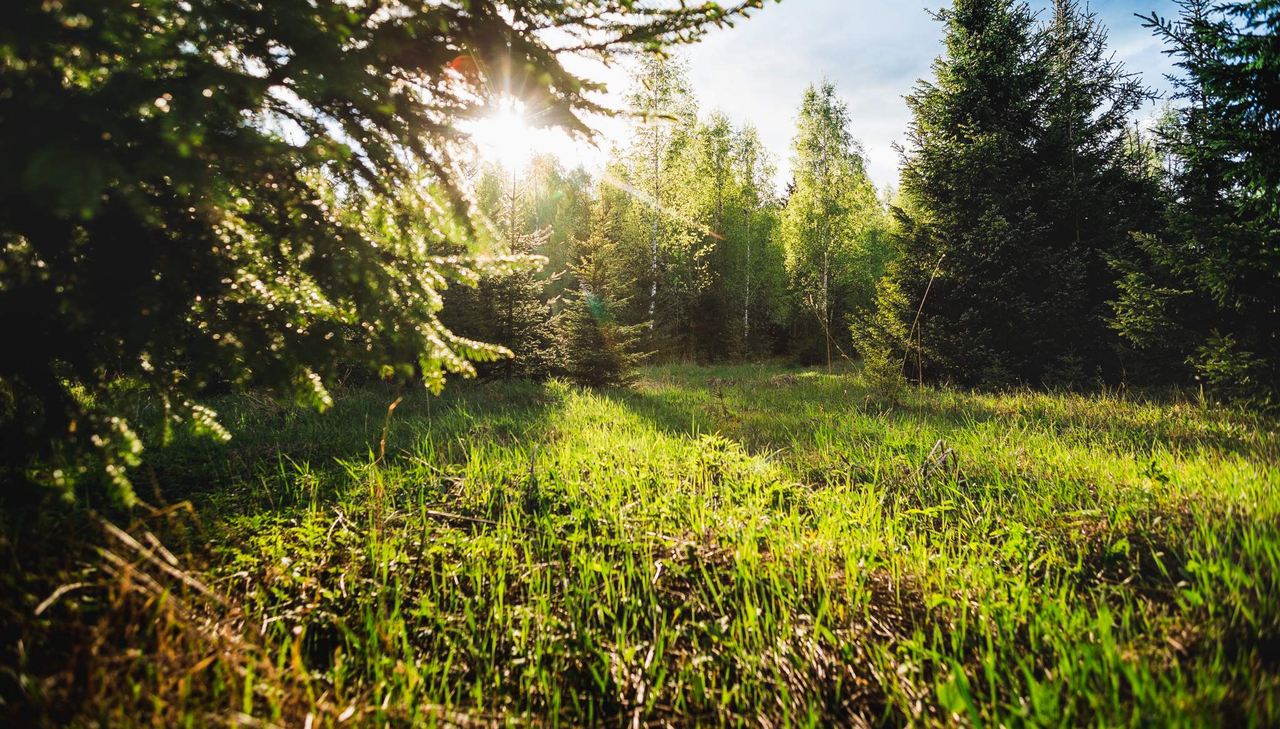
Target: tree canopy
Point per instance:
(202, 191)
(1016, 187)
(1204, 289)
(831, 224)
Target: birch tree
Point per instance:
(831, 212)
(665, 112)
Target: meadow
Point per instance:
(736, 545)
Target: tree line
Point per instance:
(682, 248)
(1038, 235)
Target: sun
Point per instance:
(505, 137)
(510, 137)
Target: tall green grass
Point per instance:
(717, 545)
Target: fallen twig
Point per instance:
(165, 567)
(59, 593)
(939, 456)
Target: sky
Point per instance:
(874, 50)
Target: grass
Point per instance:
(743, 545)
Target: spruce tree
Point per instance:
(512, 296)
(560, 203)
(964, 184)
(502, 303)
(1206, 290)
(1017, 187)
(1094, 191)
(596, 349)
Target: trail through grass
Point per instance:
(725, 545)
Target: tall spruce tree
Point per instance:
(1094, 191)
(1206, 290)
(1017, 186)
(964, 184)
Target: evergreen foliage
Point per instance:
(516, 314)
(1095, 192)
(1019, 173)
(224, 154)
(598, 350)
(1206, 289)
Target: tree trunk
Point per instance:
(746, 300)
(826, 302)
(653, 241)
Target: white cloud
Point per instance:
(875, 51)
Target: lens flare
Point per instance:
(505, 137)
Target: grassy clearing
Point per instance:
(731, 545)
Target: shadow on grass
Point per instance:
(269, 437)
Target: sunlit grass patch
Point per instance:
(723, 545)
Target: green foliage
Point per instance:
(731, 182)
(755, 255)
(832, 224)
(511, 303)
(597, 350)
(188, 185)
(1212, 276)
(560, 208)
(1095, 191)
(883, 338)
(697, 212)
(1019, 172)
(744, 544)
(671, 266)
(1233, 372)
